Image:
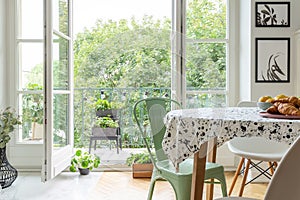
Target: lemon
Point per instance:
(280, 96)
(264, 98)
(270, 100)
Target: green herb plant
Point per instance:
(141, 158)
(106, 122)
(83, 159)
(103, 104)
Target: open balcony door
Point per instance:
(58, 84)
(178, 80)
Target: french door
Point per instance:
(58, 87)
(200, 49)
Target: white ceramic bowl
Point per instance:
(264, 105)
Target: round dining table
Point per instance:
(188, 132)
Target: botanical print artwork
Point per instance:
(272, 59)
(274, 71)
(273, 14)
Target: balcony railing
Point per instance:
(84, 114)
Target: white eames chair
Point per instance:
(255, 148)
(285, 181)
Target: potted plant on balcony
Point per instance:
(33, 111)
(141, 163)
(105, 126)
(84, 162)
(105, 108)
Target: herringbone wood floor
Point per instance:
(121, 185)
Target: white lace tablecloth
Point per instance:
(187, 129)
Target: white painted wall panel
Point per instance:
(250, 90)
(2, 54)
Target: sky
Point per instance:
(86, 12)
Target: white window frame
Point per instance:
(178, 87)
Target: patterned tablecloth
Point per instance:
(187, 129)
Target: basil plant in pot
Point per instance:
(105, 108)
(105, 126)
(84, 162)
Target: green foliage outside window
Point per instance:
(137, 54)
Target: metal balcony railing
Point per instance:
(84, 113)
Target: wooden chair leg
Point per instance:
(245, 177)
(237, 172)
(271, 168)
(275, 165)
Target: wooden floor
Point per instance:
(121, 185)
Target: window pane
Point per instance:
(206, 66)
(32, 115)
(206, 19)
(31, 64)
(205, 100)
(60, 119)
(60, 16)
(60, 64)
(31, 19)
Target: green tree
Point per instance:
(124, 54)
(206, 62)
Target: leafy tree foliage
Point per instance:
(132, 53)
(206, 62)
(124, 54)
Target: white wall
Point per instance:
(3, 95)
(249, 90)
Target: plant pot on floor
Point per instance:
(85, 171)
(142, 170)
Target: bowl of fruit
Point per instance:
(265, 102)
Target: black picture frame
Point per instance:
(272, 60)
(272, 14)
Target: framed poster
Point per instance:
(272, 60)
(272, 14)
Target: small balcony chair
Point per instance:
(254, 148)
(285, 181)
(154, 109)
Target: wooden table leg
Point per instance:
(199, 173)
(211, 157)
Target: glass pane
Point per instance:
(60, 119)
(32, 115)
(206, 19)
(31, 64)
(205, 100)
(60, 16)
(31, 19)
(206, 66)
(60, 64)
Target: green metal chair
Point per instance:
(154, 109)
